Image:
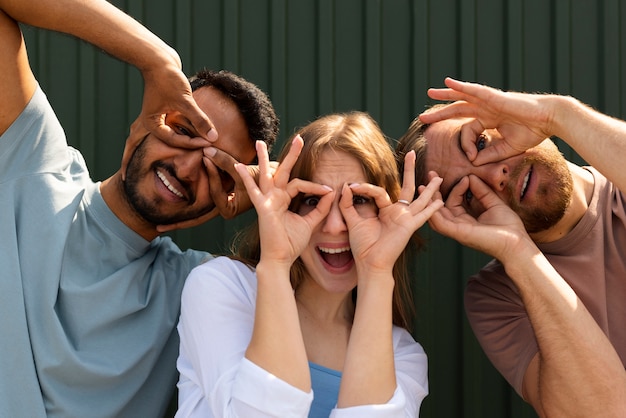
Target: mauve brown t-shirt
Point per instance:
(591, 258)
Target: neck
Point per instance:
(113, 193)
(582, 192)
(324, 307)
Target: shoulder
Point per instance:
(491, 280)
(219, 276)
(404, 345)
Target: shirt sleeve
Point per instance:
(500, 323)
(411, 366)
(215, 327)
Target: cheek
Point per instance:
(369, 210)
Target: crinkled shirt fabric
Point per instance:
(591, 258)
(88, 308)
(216, 380)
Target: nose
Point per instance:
(188, 164)
(496, 175)
(334, 222)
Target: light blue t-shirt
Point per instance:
(88, 308)
(325, 384)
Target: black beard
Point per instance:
(147, 209)
(556, 196)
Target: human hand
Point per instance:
(229, 201)
(522, 119)
(166, 91)
(284, 234)
(377, 242)
(498, 231)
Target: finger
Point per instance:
(424, 214)
(346, 202)
(497, 152)
(470, 131)
(221, 198)
(443, 222)
(379, 194)
(407, 192)
(248, 181)
(447, 95)
(471, 90)
(456, 198)
(168, 135)
(322, 208)
(429, 192)
(265, 171)
(296, 186)
(459, 108)
(431, 175)
(283, 171)
(221, 159)
(481, 191)
(200, 121)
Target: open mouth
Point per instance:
(169, 185)
(525, 184)
(336, 257)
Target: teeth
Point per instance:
(525, 185)
(168, 184)
(334, 250)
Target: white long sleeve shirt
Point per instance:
(216, 380)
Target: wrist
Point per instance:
(567, 110)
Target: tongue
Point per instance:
(339, 259)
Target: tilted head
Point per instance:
(166, 184)
(536, 184)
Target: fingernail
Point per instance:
(211, 136)
(210, 151)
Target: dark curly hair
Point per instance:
(254, 105)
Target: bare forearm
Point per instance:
(369, 372)
(579, 373)
(598, 138)
(277, 345)
(97, 22)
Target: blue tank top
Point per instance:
(325, 383)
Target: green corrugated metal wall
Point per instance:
(319, 56)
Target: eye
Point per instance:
(468, 197)
(307, 204)
(365, 206)
(481, 142)
(310, 201)
(182, 130)
(360, 200)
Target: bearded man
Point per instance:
(548, 309)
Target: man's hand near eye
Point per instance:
(182, 135)
(228, 203)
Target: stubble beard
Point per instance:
(146, 208)
(555, 195)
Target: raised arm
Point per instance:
(576, 372)
(369, 374)
(102, 24)
(526, 119)
(277, 345)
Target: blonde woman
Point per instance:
(309, 316)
